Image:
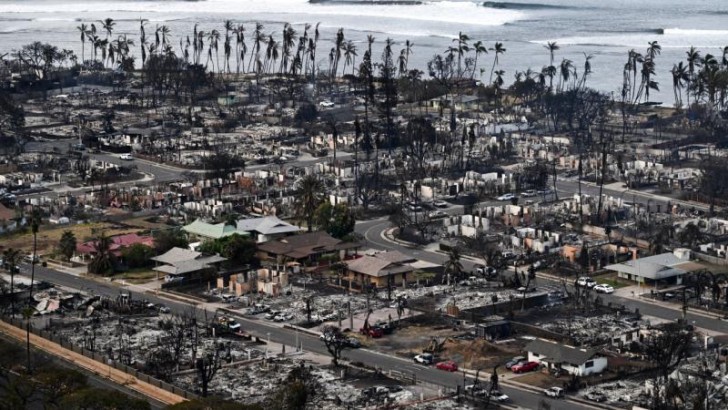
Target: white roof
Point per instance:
(267, 225)
(652, 267)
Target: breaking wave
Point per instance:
(523, 6)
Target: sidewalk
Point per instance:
(105, 371)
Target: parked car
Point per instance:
(440, 204)
(506, 197)
(437, 214)
(524, 367)
(126, 157)
(164, 309)
(555, 392)
(326, 104)
(448, 366)
(586, 281)
(516, 360)
(529, 193)
(498, 396)
(353, 342)
(424, 358)
(603, 288)
(373, 332)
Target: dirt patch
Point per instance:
(478, 353)
(540, 379)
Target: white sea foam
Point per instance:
(672, 38)
(456, 12)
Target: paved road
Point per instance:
(373, 232)
(264, 330)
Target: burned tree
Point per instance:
(335, 342)
(207, 367)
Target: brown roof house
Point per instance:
(383, 269)
(305, 248)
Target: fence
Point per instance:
(100, 358)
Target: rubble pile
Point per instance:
(621, 393)
(596, 330)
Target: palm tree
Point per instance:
(693, 59)
(408, 51)
(339, 43)
(479, 48)
(289, 35)
(11, 258)
(565, 70)
(83, 29)
(551, 46)
(309, 197)
(240, 47)
(227, 48)
(461, 48)
(498, 49)
(350, 55)
(271, 54)
(258, 39)
(679, 76)
(103, 261)
(213, 37)
(453, 266)
(108, 25)
(587, 68)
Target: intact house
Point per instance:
(202, 231)
(382, 270)
(266, 228)
(183, 264)
(307, 249)
(665, 268)
(87, 250)
(573, 360)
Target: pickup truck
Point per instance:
(425, 358)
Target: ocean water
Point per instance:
(605, 29)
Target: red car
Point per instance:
(524, 367)
(448, 366)
(373, 332)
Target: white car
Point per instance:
(585, 281)
(603, 288)
(499, 396)
(326, 104)
(126, 157)
(440, 204)
(425, 358)
(555, 392)
(506, 197)
(437, 214)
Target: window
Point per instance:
(589, 364)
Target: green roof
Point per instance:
(212, 231)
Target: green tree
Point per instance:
(167, 239)
(137, 255)
(103, 260)
(337, 220)
(67, 244)
(453, 266)
(238, 249)
(309, 196)
(56, 383)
